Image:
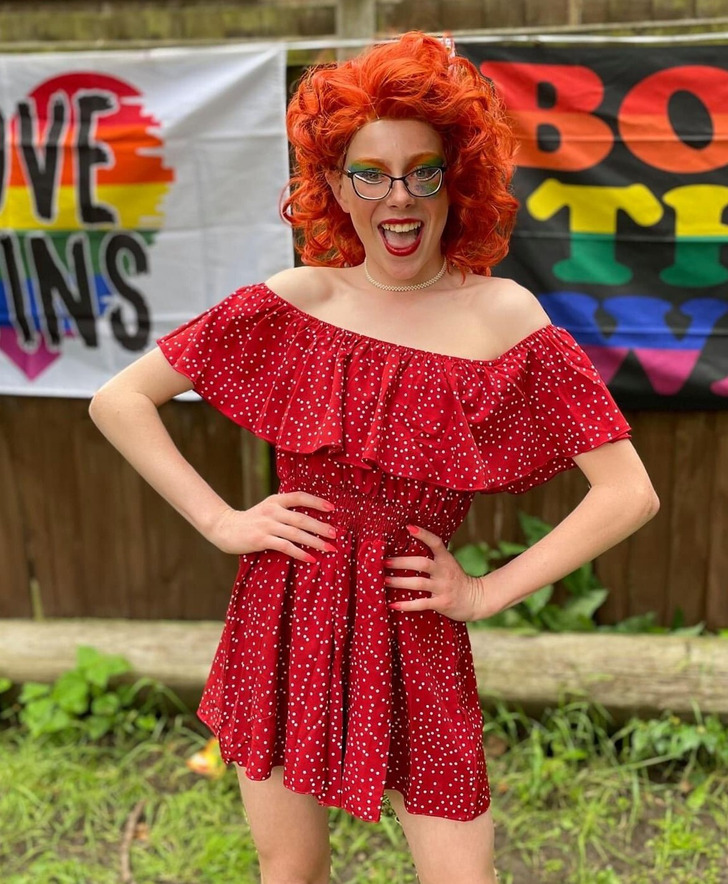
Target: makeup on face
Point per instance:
(400, 229)
(401, 236)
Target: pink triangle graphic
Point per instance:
(607, 360)
(667, 369)
(31, 364)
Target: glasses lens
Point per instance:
(370, 184)
(424, 181)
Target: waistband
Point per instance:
(369, 501)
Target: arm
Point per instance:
(125, 410)
(620, 500)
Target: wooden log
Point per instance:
(628, 674)
(178, 653)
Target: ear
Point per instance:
(335, 180)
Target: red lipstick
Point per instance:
(402, 251)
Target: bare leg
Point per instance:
(448, 851)
(290, 831)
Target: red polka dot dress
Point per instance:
(313, 671)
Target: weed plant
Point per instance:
(89, 701)
(585, 594)
(577, 800)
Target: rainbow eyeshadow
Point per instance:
(425, 159)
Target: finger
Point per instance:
(296, 535)
(303, 498)
(421, 584)
(415, 605)
(432, 540)
(289, 549)
(306, 523)
(412, 563)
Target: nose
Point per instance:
(399, 195)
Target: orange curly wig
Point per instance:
(414, 77)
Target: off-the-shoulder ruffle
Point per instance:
(302, 384)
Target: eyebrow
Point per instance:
(367, 162)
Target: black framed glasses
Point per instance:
(372, 184)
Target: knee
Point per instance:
(294, 877)
(281, 872)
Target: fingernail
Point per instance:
(329, 548)
(310, 558)
(393, 606)
(413, 529)
(329, 506)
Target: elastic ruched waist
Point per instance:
(369, 501)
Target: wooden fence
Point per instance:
(47, 24)
(82, 535)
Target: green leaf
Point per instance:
(473, 559)
(535, 602)
(562, 620)
(146, 722)
(697, 798)
(86, 656)
(534, 529)
(636, 624)
(106, 705)
(71, 692)
(582, 580)
(698, 629)
(33, 690)
(58, 721)
(5, 685)
(515, 619)
(44, 717)
(511, 618)
(37, 712)
(585, 605)
(97, 726)
(99, 668)
(508, 549)
(126, 694)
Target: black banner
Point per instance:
(623, 227)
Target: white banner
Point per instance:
(136, 189)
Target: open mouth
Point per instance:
(401, 238)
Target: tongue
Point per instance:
(401, 240)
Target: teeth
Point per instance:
(402, 228)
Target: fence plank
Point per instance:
(648, 564)
(556, 12)
(102, 543)
(716, 605)
(25, 445)
(13, 552)
(694, 452)
(663, 10)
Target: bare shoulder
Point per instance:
(304, 287)
(510, 311)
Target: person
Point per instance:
(396, 377)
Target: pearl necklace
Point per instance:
(406, 288)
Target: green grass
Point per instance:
(571, 806)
